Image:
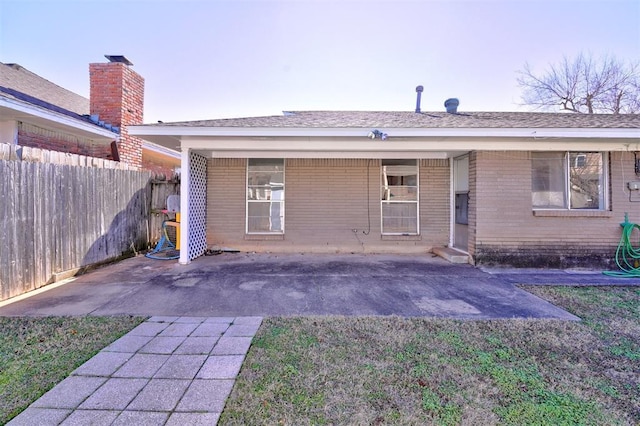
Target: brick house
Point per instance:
(35, 112)
(518, 188)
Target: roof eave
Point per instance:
(536, 133)
(12, 109)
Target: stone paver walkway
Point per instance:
(166, 371)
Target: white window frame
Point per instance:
(567, 181)
(248, 201)
(416, 202)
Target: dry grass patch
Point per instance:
(389, 370)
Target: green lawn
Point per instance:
(381, 370)
(37, 353)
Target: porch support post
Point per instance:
(185, 178)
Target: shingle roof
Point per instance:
(406, 119)
(20, 79)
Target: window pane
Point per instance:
(265, 195)
(548, 188)
(265, 216)
(585, 173)
(400, 193)
(400, 218)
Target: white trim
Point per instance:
(55, 117)
(161, 149)
(185, 179)
(535, 133)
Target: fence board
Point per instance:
(58, 217)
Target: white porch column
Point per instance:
(185, 176)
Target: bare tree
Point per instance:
(584, 85)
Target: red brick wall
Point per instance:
(38, 137)
(117, 96)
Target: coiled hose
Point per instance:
(627, 256)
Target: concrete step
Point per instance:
(451, 254)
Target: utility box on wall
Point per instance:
(634, 185)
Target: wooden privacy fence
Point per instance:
(56, 219)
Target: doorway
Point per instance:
(461, 203)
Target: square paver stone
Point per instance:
(221, 367)
(70, 392)
(160, 318)
(226, 320)
(191, 319)
(232, 346)
(142, 366)
(39, 416)
(128, 343)
(193, 419)
(162, 345)
(205, 396)
(196, 345)
(103, 364)
(179, 329)
(90, 417)
(239, 330)
(210, 329)
(159, 395)
(148, 329)
(141, 418)
(115, 394)
(248, 321)
(181, 367)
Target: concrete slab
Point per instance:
(221, 367)
(256, 285)
(182, 367)
(159, 395)
(90, 417)
(70, 393)
(115, 394)
(39, 416)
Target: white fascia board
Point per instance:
(423, 155)
(60, 120)
(536, 133)
(416, 145)
(160, 149)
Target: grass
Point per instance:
(389, 370)
(37, 353)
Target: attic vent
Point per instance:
(451, 105)
(118, 58)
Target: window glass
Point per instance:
(568, 180)
(399, 197)
(265, 196)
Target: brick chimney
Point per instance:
(117, 97)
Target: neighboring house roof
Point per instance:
(25, 96)
(22, 80)
(407, 119)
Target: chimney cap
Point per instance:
(419, 89)
(118, 58)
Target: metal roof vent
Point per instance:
(118, 58)
(451, 105)
(419, 90)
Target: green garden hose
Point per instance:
(627, 256)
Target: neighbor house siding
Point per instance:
(508, 231)
(325, 201)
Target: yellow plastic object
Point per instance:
(176, 224)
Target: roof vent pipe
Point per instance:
(419, 90)
(452, 105)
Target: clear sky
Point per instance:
(236, 58)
